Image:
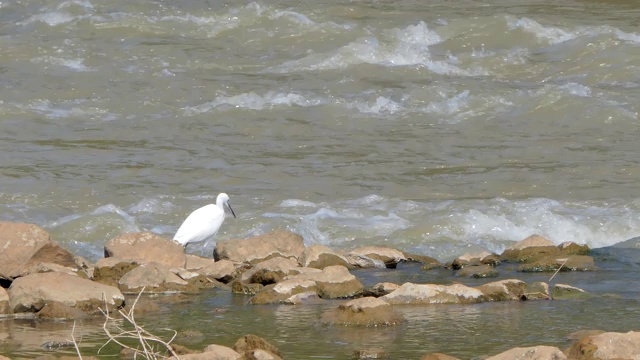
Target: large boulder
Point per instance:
(320, 256)
(329, 283)
(278, 243)
(154, 278)
(380, 254)
(18, 243)
(146, 247)
(410, 293)
(366, 311)
(531, 353)
(30, 293)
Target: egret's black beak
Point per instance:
(230, 208)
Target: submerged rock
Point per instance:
(278, 243)
(531, 353)
(30, 293)
(366, 311)
(562, 291)
(146, 247)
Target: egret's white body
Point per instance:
(203, 224)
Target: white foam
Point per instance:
(552, 35)
(73, 64)
(253, 101)
(296, 203)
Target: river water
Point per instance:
(435, 127)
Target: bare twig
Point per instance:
(75, 343)
(555, 273)
(144, 338)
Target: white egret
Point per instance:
(203, 224)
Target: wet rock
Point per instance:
(410, 293)
(478, 271)
(5, 307)
(30, 293)
(154, 278)
(307, 297)
(382, 289)
(536, 291)
(504, 290)
(366, 311)
(530, 249)
(279, 243)
(320, 256)
(571, 248)
(609, 345)
(373, 353)
(565, 292)
(438, 356)
(58, 310)
(428, 263)
(146, 247)
(248, 289)
(329, 283)
(566, 263)
(252, 342)
(469, 259)
(223, 271)
(195, 262)
(219, 352)
(388, 256)
(531, 353)
(18, 243)
(271, 271)
(108, 271)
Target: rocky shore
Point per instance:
(40, 278)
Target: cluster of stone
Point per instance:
(39, 276)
